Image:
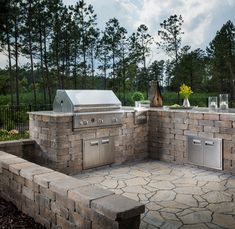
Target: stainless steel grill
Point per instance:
(90, 108)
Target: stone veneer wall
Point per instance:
(60, 148)
(56, 200)
(168, 131)
(22, 148)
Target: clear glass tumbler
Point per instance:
(223, 101)
(212, 102)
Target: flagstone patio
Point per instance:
(175, 196)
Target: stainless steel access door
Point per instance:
(213, 153)
(195, 150)
(98, 152)
(91, 153)
(205, 152)
(106, 150)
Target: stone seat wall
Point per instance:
(56, 200)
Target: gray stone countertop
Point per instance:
(194, 110)
(133, 109)
(50, 113)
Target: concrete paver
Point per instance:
(175, 196)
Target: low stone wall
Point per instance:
(168, 131)
(56, 200)
(23, 148)
(60, 147)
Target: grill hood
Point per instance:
(85, 100)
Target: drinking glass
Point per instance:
(212, 102)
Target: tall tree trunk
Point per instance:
(9, 61)
(46, 66)
(16, 63)
(58, 61)
(41, 66)
(105, 71)
(75, 68)
(92, 68)
(31, 53)
(84, 68)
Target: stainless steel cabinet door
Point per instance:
(90, 153)
(195, 150)
(212, 153)
(106, 150)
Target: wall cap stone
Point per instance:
(117, 207)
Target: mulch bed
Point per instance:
(11, 217)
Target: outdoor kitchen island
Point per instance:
(61, 147)
(155, 132)
(169, 130)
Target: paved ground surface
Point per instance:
(175, 196)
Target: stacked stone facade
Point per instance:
(56, 200)
(60, 147)
(168, 131)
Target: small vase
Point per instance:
(186, 103)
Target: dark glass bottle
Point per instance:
(155, 95)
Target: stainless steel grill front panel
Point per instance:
(94, 119)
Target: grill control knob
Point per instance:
(85, 122)
(114, 119)
(81, 122)
(100, 121)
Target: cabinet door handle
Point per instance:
(94, 143)
(105, 141)
(209, 143)
(195, 141)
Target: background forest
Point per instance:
(52, 46)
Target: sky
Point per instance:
(202, 18)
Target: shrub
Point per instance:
(12, 135)
(137, 96)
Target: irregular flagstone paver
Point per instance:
(197, 217)
(161, 185)
(94, 179)
(223, 220)
(213, 226)
(208, 178)
(173, 204)
(164, 177)
(153, 206)
(168, 216)
(136, 181)
(171, 210)
(188, 190)
(153, 218)
(139, 173)
(110, 183)
(217, 197)
(170, 224)
(214, 186)
(135, 189)
(185, 181)
(175, 196)
(132, 196)
(195, 226)
(186, 199)
(231, 183)
(163, 196)
(222, 207)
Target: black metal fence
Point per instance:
(16, 117)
